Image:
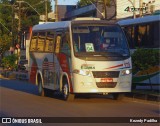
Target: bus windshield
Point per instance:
(99, 40)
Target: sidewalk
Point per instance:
(19, 85)
(146, 95)
(7, 74)
(21, 75)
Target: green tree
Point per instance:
(104, 3)
(82, 3)
(9, 25)
(5, 42)
(142, 59)
(9, 62)
(29, 16)
(5, 27)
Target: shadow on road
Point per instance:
(81, 97)
(33, 89)
(19, 85)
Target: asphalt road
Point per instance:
(20, 99)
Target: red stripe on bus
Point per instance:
(120, 65)
(63, 60)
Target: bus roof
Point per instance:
(145, 19)
(66, 24)
(52, 25)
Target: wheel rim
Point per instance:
(65, 91)
(40, 87)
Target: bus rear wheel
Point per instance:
(40, 88)
(65, 92)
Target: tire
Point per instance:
(118, 96)
(65, 92)
(40, 88)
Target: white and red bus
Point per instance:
(80, 56)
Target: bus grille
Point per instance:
(105, 74)
(106, 84)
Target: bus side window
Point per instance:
(65, 45)
(130, 35)
(41, 41)
(58, 40)
(33, 42)
(49, 47)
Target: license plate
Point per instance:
(106, 79)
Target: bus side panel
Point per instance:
(33, 68)
(48, 71)
(65, 64)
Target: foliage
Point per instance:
(9, 62)
(9, 24)
(142, 59)
(5, 42)
(82, 3)
(29, 16)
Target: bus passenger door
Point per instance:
(48, 69)
(57, 63)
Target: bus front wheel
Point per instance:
(40, 88)
(65, 92)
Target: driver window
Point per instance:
(33, 41)
(65, 44)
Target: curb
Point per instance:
(144, 97)
(19, 75)
(133, 99)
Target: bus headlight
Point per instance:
(82, 72)
(126, 72)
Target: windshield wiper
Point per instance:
(101, 54)
(117, 54)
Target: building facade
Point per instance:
(127, 8)
(118, 9)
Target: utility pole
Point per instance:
(56, 10)
(46, 8)
(134, 12)
(19, 22)
(19, 16)
(12, 25)
(105, 4)
(12, 30)
(140, 6)
(105, 11)
(133, 4)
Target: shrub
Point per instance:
(142, 59)
(9, 62)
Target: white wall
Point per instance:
(123, 4)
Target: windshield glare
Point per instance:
(99, 40)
